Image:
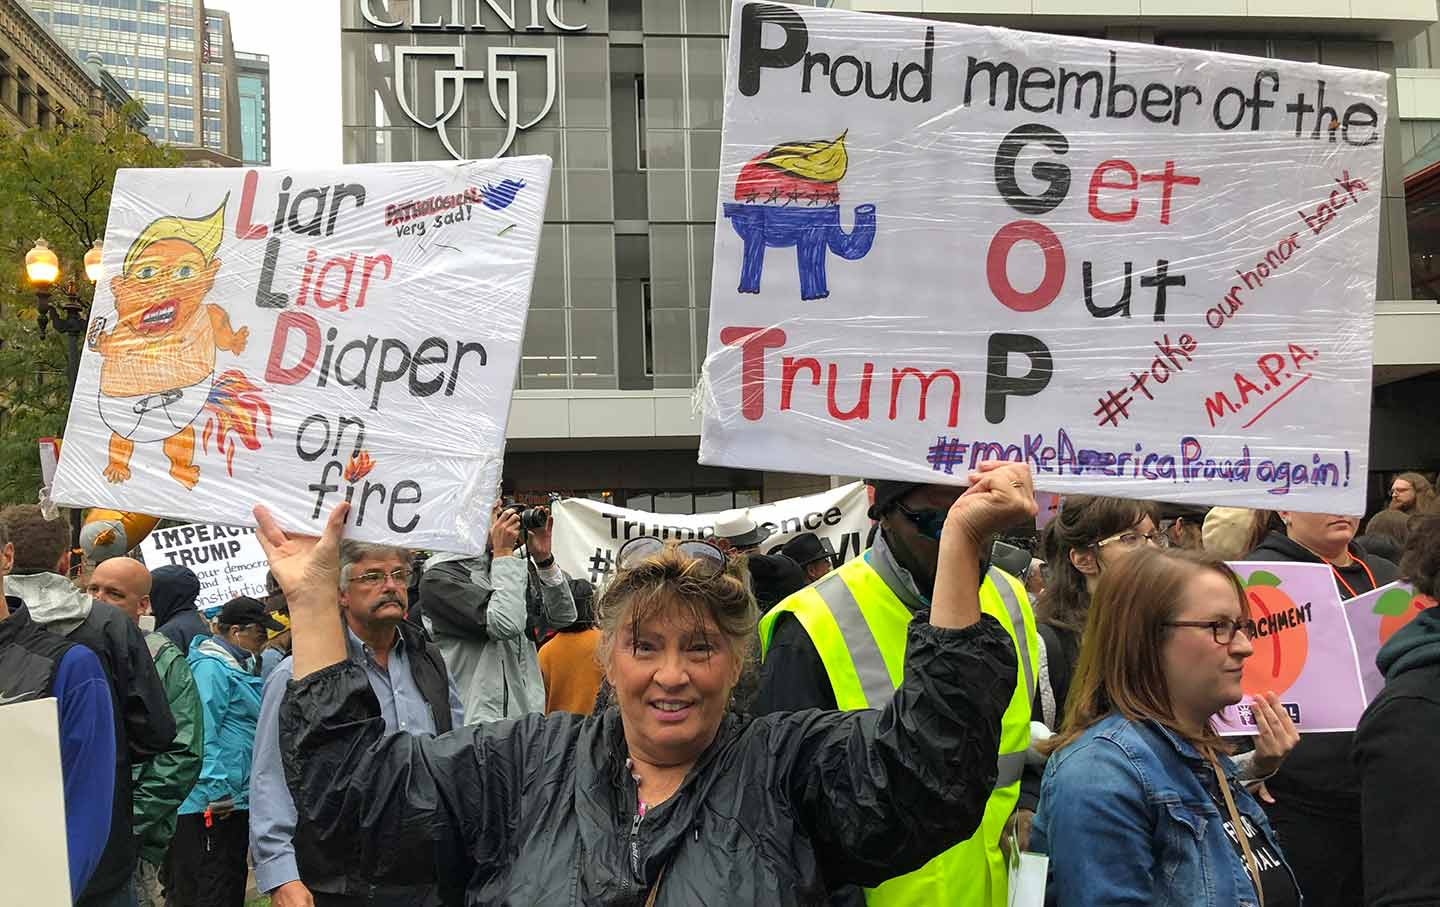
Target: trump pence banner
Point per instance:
(1145, 271)
(588, 534)
(301, 338)
(1303, 650)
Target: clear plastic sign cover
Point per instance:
(299, 338)
(1145, 271)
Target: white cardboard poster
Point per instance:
(299, 338)
(227, 560)
(34, 861)
(1147, 272)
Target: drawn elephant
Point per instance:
(811, 231)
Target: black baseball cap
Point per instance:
(243, 611)
(887, 493)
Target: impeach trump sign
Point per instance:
(301, 338)
(1145, 271)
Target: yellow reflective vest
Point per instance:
(857, 624)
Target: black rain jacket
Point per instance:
(541, 810)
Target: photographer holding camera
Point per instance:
(476, 610)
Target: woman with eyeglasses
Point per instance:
(1141, 804)
(666, 797)
(1314, 800)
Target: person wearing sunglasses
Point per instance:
(841, 643)
(666, 798)
(408, 678)
(1141, 803)
(478, 609)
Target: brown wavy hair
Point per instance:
(1120, 667)
(1420, 562)
(671, 579)
(1425, 498)
(1082, 521)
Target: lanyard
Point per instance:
(1340, 579)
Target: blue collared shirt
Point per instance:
(272, 811)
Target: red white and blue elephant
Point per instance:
(813, 231)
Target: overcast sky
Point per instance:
(302, 38)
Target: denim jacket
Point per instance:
(1127, 818)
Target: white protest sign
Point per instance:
(34, 861)
(301, 338)
(588, 534)
(1147, 272)
(227, 560)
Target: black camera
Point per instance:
(531, 518)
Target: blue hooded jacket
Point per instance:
(230, 698)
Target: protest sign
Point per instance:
(227, 559)
(1147, 272)
(1374, 617)
(301, 338)
(588, 533)
(34, 861)
(1303, 650)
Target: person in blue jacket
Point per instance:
(206, 865)
(1140, 804)
(38, 664)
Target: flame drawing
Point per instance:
(359, 466)
(236, 406)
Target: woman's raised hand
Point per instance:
(1000, 495)
(306, 567)
(308, 570)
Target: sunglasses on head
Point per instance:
(638, 549)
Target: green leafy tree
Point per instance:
(54, 183)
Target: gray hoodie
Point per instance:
(53, 601)
(476, 611)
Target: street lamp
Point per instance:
(69, 317)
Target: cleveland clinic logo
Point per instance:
(451, 80)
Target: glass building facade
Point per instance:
(622, 289)
(252, 79)
(173, 56)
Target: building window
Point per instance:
(640, 121)
(649, 329)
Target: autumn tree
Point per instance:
(55, 183)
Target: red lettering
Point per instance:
(371, 262)
(999, 256)
(861, 409)
(343, 297)
(789, 368)
(275, 373)
(1299, 354)
(1098, 182)
(1271, 364)
(753, 343)
(897, 378)
(1168, 180)
(1218, 406)
(244, 229)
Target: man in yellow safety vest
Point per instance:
(840, 644)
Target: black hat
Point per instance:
(243, 611)
(807, 548)
(887, 493)
(774, 577)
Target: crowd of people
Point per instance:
(729, 720)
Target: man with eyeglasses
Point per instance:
(409, 678)
(840, 643)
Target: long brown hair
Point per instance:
(1082, 521)
(1120, 667)
(1424, 492)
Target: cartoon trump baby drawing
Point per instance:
(158, 362)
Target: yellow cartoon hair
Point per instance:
(204, 233)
